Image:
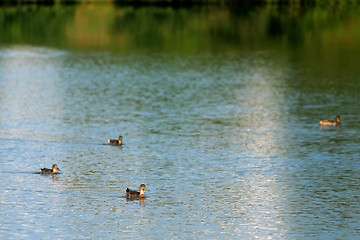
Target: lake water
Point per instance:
(226, 137)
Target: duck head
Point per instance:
(55, 168)
(143, 188)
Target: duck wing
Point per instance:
(132, 193)
(327, 122)
(113, 142)
(46, 170)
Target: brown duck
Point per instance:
(54, 170)
(135, 194)
(116, 142)
(331, 123)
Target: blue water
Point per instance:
(229, 145)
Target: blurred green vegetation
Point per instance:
(308, 34)
(312, 33)
(177, 2)
(196, 28)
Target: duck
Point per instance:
(116, 142)
(332, 123)
(54, 170)
(135, 194)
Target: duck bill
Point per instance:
(146, 189)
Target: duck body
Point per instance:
(135, 194)
(331, 123)
(54, 170)
(115, 142)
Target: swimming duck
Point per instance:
(328, 122)
(116, 142)
(54, 169)
(136, 194)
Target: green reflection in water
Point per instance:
(306, 35)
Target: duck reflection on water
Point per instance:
(135, 200)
